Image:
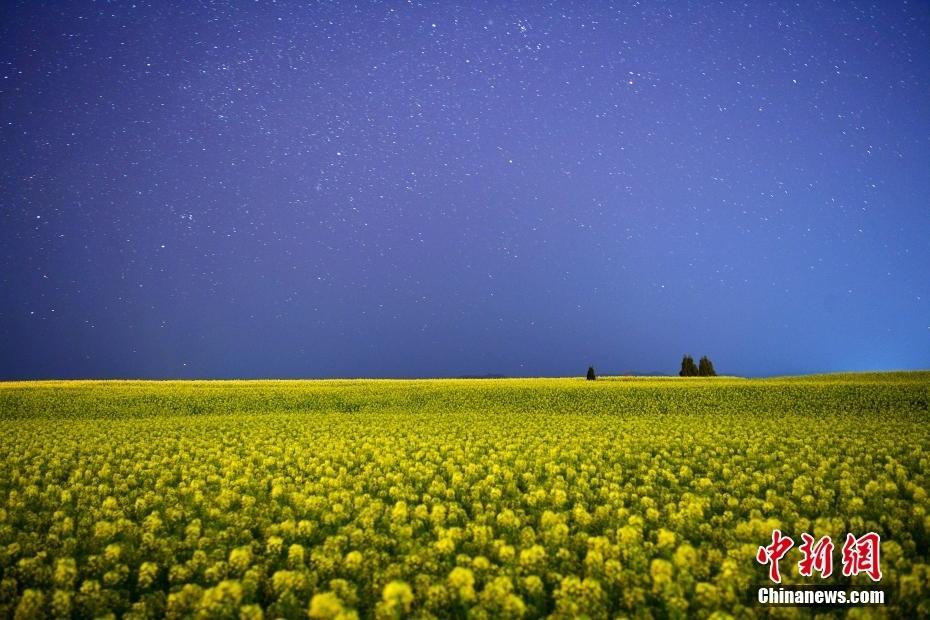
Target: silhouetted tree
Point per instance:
(591, 375)
(688, 367)
(706, 368)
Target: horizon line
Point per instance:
(487, 377)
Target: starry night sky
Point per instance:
(261, 189)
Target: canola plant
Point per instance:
(511, 498)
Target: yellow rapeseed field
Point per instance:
(502, 498)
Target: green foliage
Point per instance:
(688, 367)
(706, 368)
(450, 499)
(591, 376)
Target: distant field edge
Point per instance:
(853, 376)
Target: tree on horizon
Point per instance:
(688, 367)
(591, 376)
(706, 367)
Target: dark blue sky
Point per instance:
(205, 189)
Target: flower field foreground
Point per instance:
(453, 498)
